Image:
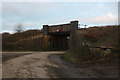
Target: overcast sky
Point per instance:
(32, 15)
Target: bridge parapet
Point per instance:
(62, 28)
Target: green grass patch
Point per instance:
(69, 57)
(86, 59)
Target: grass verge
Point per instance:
(75, 58)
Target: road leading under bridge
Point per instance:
(51, 65)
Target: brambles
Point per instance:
(99, 38)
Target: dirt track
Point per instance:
(10, 55)
(27, 66)
(50, 65)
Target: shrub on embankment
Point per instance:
(23, 41)
(94, 44)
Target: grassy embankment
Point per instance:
(106, 36)
(24, 41)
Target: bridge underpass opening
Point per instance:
(59, 43)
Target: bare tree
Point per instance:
(19, 28)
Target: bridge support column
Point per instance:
(74, 27)
(45, 29)
(46, 42)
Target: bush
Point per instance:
(91, 37)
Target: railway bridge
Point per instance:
(57, 37)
